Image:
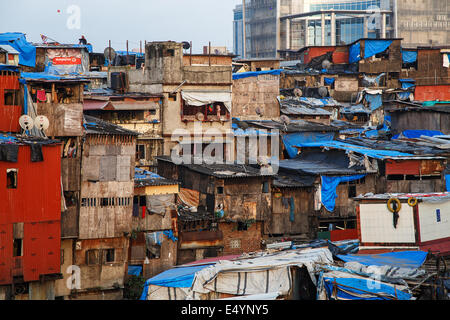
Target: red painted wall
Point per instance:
(408, 167)
(37, 203)
(431, 93)
(9, 115)
(338, 56)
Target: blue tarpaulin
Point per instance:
(401, 259)
(328, 81)
(373, 47)
(409, 56)
(373, 153)
(242, 75)
(329, 185)
(415, 134)
(298, 138)
(27, 52)
(354, 53)
(447, 182)
(362, 289)
(39, 76)
(134, 270)
(374, 101)
(6, 67)
(181, 277)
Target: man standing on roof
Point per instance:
(83, 40)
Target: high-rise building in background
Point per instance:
(273, 25)
(238, 31)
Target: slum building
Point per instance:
(11, 102)
(30, 223)
(226, 219)
(255, 95)
(293, 212)
(418, 222)
(106, 204)
(153, 241)
(138, 112)
(196, 90)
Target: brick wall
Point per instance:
(245, 241)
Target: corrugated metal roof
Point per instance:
(98, 126)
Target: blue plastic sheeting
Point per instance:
(328, 81)
(131, 53)
(140, 174)
(39, 76)
(134, 270)
(374, 101)
(415, 134)
(70, 69)
(360, 289)
(27, 52)
(181, 277)
(354, 53)
(329, 185)
(373, 153)
(447, 182)
(251, 132)
(242, 75)
(373, 47)
(409, 56)
(6, 67)
(157, 236)
(401, 259)
(299, 138)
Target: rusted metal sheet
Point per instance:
(200, 239)
(408, 167)
(428, 167)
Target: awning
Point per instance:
(200, 98)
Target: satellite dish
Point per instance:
(326, 64)
(323, 91)
(200, 116)
(41, 122)
(26, 122)
(186, 45)
(285, 119)
(110, 52)
(298, 92)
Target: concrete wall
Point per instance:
(256, 92)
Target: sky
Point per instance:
(199, 21)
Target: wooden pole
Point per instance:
(109, 64)
(209, 53)
(127, 52)
(140, 47)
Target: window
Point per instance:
(352, 191)
(11, 178)
(11, 98)
(92, 257)
(265, 187)
(109, 255)
(219, 190)
(242, 226)
(142, 201)
(140, 151)
(104, 202)
(153, 252)
(17, 248)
